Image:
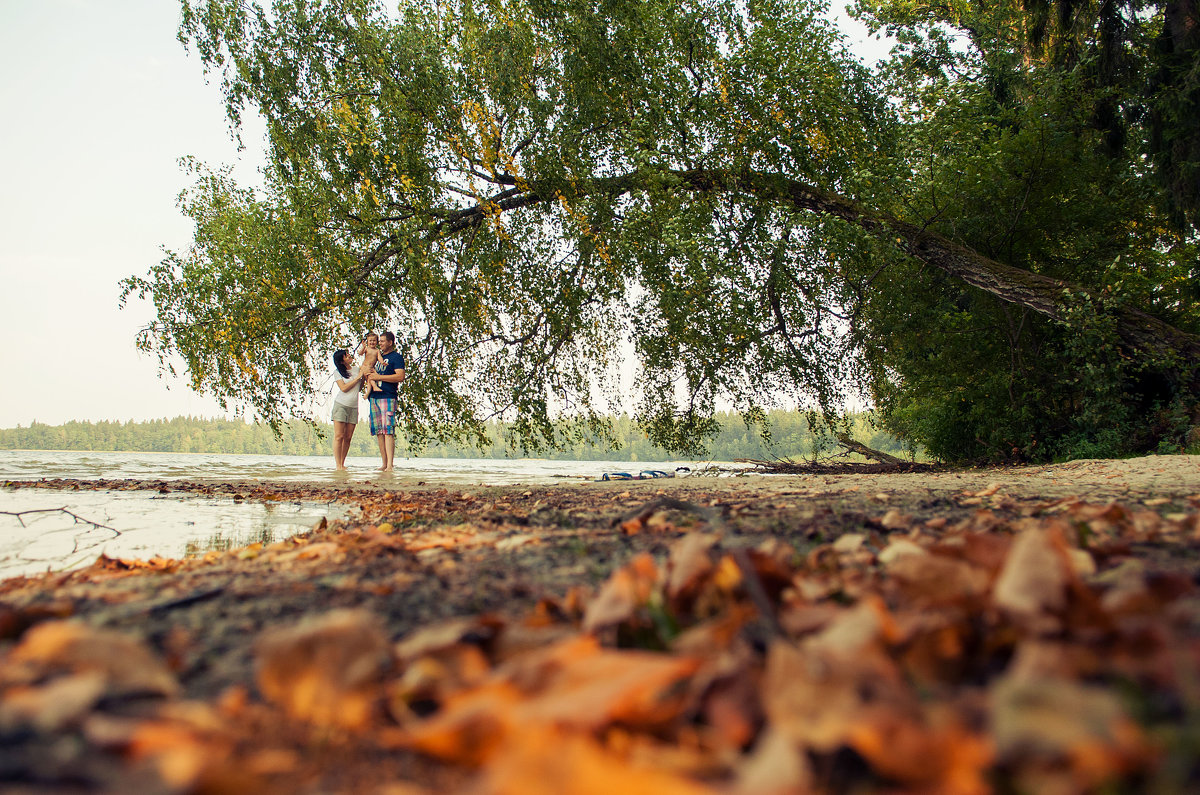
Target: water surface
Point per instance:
(35, 464)
(50, 529)
(66, 528)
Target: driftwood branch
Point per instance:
(878, 463)
(77, 519)
(866, 452)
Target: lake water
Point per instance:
(63, 529)
(35, 464)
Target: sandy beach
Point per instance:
(377, 652)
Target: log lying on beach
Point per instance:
(866, 452)
(788, 467)
(882, 462)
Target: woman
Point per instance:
(345, 406)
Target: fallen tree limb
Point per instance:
(866, 452)
(788, 467)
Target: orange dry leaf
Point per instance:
(434, 678)
(823, 703)
(544, 761)
(1032, 586)
(949, 761)
(690, 561)
(935, 579)
(51, 707)
(732, 711)
(817, 701)
(325, 670)
(1052, 719)
(188, 759)
(1107, 519)
(632, 527)
(442, 636)
(470, 727)
(605, 687)
(775, 767)
(898, 548)
(988, 551)
(127, 666)
(627, 589)
(318, 551)
(935, 645)
(575, 684)
(896, 520)
(861, 629)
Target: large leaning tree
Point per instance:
(993, 235)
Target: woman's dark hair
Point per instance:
(338, 361)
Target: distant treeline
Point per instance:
(790, 437)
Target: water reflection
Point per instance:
(220, 542)
(49, 530)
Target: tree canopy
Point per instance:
(993, 235)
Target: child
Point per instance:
(369, 350)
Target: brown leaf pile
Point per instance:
(994, 654)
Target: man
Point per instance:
(385, 383)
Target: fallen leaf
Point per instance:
(898, 548)
(325, 670)
(439, 637)
(690, 561)
(549, 762)
(935, 579)
(628, 588)
(850, 542)
(68, 647)
(53, 706)
(1032, 586)
(1062, 719)
(896, 520)
(775, 767)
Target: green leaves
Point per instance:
(532, 191)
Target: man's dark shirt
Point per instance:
(388, 364)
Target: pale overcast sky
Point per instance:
(99, 100)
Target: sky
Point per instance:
(100, 100)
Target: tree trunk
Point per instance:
(1142, 334)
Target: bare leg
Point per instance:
(383, 449)
(340, 444)
(349, 437)
(389, 445)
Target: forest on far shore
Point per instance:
(790, 437)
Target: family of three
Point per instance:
(378, 379)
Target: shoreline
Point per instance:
(667, 623)
(1150, 477)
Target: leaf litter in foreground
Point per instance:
(992, 655)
